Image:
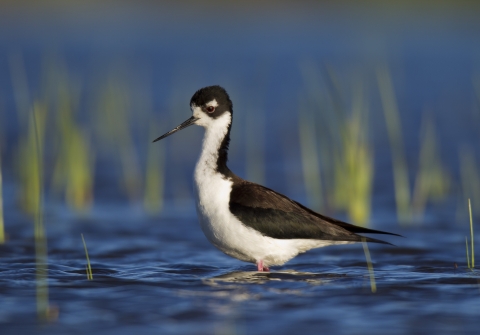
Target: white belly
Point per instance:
(234, 238)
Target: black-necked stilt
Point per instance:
(245, 220)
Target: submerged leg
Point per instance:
(261, 267)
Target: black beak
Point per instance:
(184, 124)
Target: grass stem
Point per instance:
(373, 285)
(471, 231)
(89, 267)
(43, 309)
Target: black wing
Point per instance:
(276, 216)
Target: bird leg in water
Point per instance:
(262, 268)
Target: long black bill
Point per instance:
(184, 124)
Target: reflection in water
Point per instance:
(264, 277)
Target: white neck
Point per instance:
(215, 132)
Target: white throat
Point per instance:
(215, 131)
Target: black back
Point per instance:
(275, 215)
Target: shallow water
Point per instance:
(160, 275)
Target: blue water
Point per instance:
(157, 274)
(162, 276)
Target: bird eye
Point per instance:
(210, 109)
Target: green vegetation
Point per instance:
(432, 181)
(342, 179)
(394, 127)
(88, 267)
(471, 264)
(73, 170)
(354, 164)
(373, 285)
(338, 159)
(35, 146)
(55, 153)
(29, 160)
(154, 179)
(70, 136)
(113, 128)
(469, 178)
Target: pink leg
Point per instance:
(262, 268)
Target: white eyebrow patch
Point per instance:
(212, 103)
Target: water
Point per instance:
(162, 276)
(157, 274)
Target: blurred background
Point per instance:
(366, 111)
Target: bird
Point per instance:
(246, 220)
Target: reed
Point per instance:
(29, 159)
(354, 163)
(394, 128)
(471, 234)
(36, 142)
(432, 181)
(74, 168)
(113, 121)
(469, 177)
(373, 285)
(345, 171)
(88, 267)
(154, 176)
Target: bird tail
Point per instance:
(373, 240)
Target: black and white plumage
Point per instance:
(245, 220)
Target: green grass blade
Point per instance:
(43, 309)
(471, 231)
(373, 284)
(89, 267)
